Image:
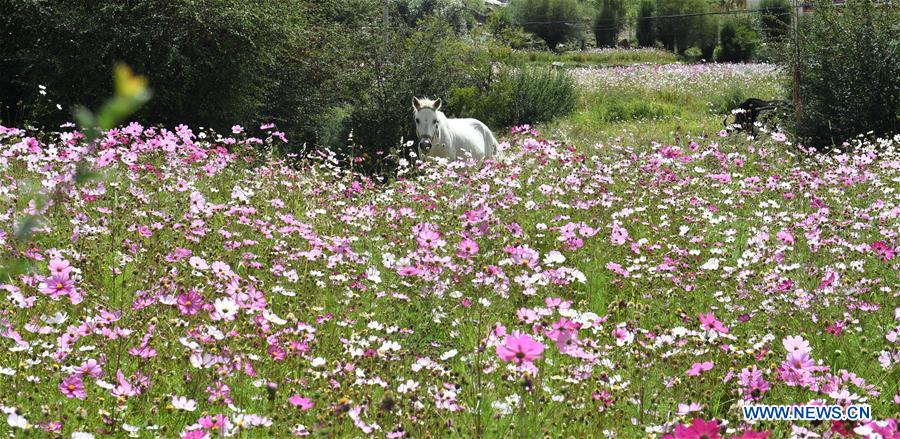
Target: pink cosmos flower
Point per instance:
(796, 343)
(753, 383)
(684, 409)
(73, 387)
(698, 368)
(521, 349)
(619, 235)
(300, 402)
(60, 268)
(219, 423)
(189, 302)
(90, 368)
(798, 361)
(428, 238)
(750, 434)
(467, 247)
(709, 322)
(58, 286)
(408, 271)
(699, 429)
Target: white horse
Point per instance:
(453, 139)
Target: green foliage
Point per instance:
(775, 19)
(551, 20)
(213, 63)
(681, 33)
(646, 28)
(849, 70)
(738, 41)
(521, 95)
(458, 14)
(609, 22)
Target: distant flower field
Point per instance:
(204, 288)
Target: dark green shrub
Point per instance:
(609, 22)
(775, 19)
(551, 20)
(849, 69)
(738, 40)
(213, 63)
(681, 33)
(646, 28)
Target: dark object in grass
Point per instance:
(747, 112)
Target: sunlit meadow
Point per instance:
(208, 287)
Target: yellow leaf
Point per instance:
(127, 83)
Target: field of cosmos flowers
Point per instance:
(205, 287)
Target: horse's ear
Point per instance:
(416, 105)
(437, 104)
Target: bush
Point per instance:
(849, 65)
(551, 20)
(521, 95)
(775, 19)
(646, 28)
(609, 22)
(738, 41)
(682, 33)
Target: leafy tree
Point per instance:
(609, 22)
(738, 41)
(554, 21)
(681, 33)
(849, 65)
(775, 18)
(646, 28)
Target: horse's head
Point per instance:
(425, 114)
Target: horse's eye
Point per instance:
(417, 120)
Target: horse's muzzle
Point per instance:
(425, 144)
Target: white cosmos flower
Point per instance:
(711, 264)
(272, 317)
(15, 420)
(183, 403)
(226, 307)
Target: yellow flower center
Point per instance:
(71, 387)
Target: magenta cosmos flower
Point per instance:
(709, 322)
(699, 429)
(73, 387)
(521, 349)
(300, 402)
(189, 302)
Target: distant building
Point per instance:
(496, 3)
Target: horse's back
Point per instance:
(478, 137)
